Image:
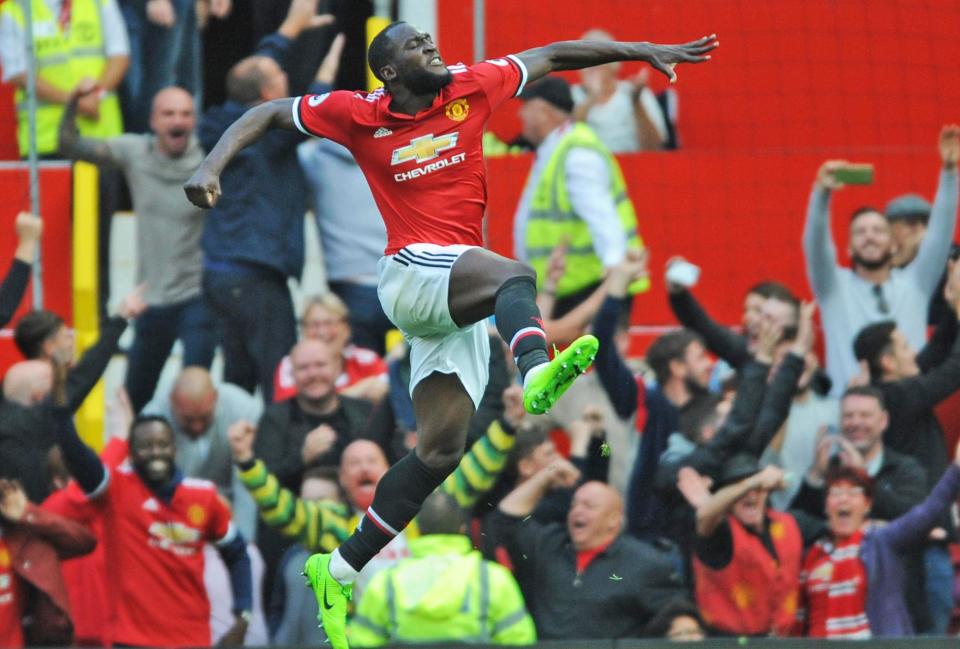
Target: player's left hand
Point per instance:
(665, 57)
(203, 188)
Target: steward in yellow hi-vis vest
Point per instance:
(553, 220)
(446, 592)
(64, 57)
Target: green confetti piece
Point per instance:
(605, 450)
(615, 577)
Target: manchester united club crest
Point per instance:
(458, 110)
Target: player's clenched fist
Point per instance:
(203, 188)
(241, 435)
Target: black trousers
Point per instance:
(257, 326)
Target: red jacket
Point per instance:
(37, 543)
(754, 594)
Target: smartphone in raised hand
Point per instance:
(855, 174)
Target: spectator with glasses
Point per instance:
(364, 374)
(873, 289)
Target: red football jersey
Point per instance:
(154, 554)
(358, 363)
(426, 172)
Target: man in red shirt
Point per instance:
(418, 142)
(155, 523)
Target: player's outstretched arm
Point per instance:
(203, 188)
(574, 55)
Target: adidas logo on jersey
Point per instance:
(382, 132)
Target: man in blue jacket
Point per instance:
(253, 240)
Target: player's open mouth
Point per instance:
(436, 61)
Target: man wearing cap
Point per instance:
(747, 556)
(575, 196)
(908, 215)
(873, 289)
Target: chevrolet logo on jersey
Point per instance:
(424, 148)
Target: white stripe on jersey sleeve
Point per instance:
(228, 537)
(523, 73)
(296, 117)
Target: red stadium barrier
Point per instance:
(56, 208)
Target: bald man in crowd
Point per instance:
(586, 569)
(200, 413)
(253, 238)
(24, 439)
(28, 382)
(168, 234)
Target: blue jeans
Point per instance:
(368, 323)
(159, 57)
(938, 569)
(154, 334)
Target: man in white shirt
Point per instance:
(575, 197)
(624, 112)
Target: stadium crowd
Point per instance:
(727, 484)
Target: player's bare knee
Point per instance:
(442, 460)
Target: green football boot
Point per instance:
(548, 383)
(332, 599)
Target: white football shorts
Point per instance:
(413, 288)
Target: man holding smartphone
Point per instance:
(872, 289)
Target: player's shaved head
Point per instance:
(382, 48)
(193, 401)
(28, 382)
(406, 58)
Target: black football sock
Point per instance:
(399, 496)
(519, 322)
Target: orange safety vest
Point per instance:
(755, 594)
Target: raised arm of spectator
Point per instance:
(301, 16)
(720, 340)
(708, 459)
(91, 366)
(917, 394)
(941, 340)
(524, 499)
(74, 146)
(81, 461)
(576, 55)
(714, 510)
(279, 507)
(819, 249)
(779, 396)
(615, 377)
(935, 246)
(913, 527)
(29, 227)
